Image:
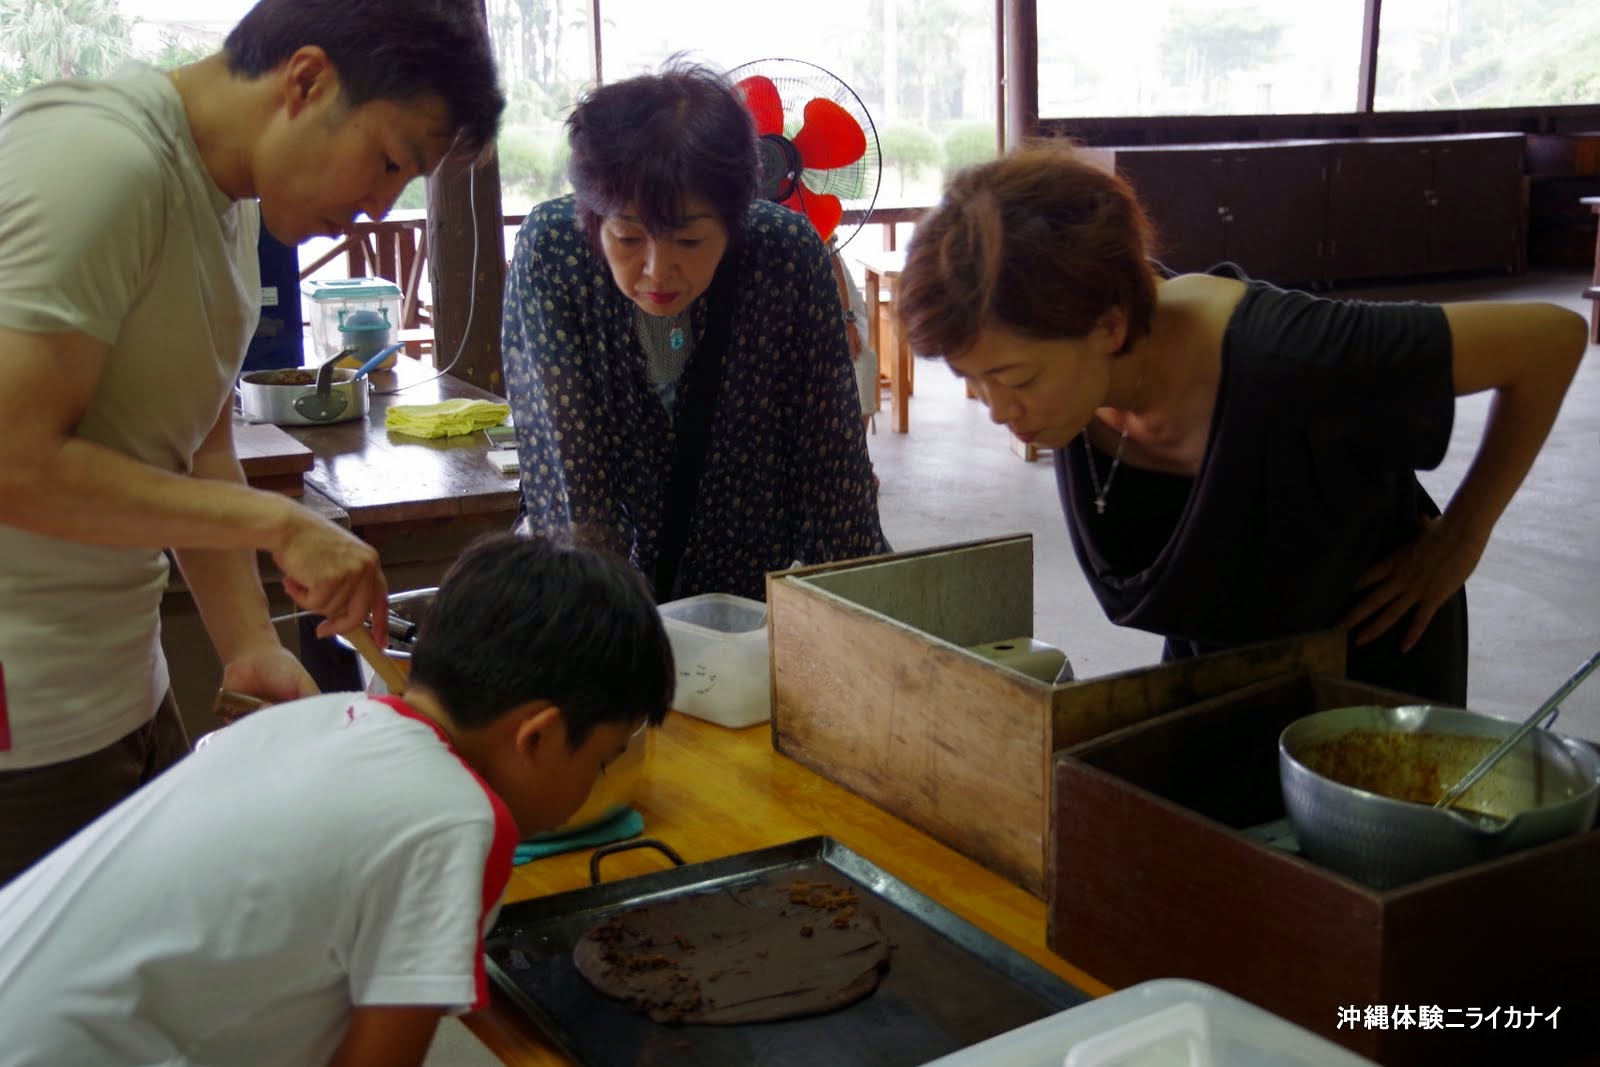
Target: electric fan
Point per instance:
(819, 150)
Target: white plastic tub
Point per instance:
(719, 642)
(1170, 1022)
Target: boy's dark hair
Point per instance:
(398, 50)
(518, 619)
(651, 142)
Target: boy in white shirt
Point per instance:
(313, 886)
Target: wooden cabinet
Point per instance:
(1258, 205)
(1403, 206)
(1294, 212)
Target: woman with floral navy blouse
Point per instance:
(675, 353)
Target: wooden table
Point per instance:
(894, 353)
(1593, 292)
(417, 500)
(711, 792)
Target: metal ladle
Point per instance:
(1528, 724)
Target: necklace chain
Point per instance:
(1100, 491)
(667, 343)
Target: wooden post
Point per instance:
(463, 209)
(1022, 71)
(1367, 75)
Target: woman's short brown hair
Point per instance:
(1043, 241)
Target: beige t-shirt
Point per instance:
(110, 225)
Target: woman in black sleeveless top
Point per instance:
(1236, 462)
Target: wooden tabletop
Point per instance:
(711, 792)
(379, 477)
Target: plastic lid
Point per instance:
(364, 320)
(349, 288)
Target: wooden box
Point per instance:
(874, 688)
(1151, 877)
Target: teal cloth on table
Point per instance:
(620, 826)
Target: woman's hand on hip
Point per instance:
(1416, 579)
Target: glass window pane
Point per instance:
(544, 51)
(1198, 57)
(1448, 54)
(938, 55)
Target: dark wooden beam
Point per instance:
(1367, 77)
(1021, 71)
(464, 215)
(466, 266)
(1000, 76)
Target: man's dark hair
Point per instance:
(650, 143)
(520, 619)
(396, 50)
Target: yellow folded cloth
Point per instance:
(448, 418)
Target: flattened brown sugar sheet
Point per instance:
(751, 954)
(949, 984)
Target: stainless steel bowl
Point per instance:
(269, 396)
(1546, 788)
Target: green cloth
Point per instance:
(619, 826)
(448, 418)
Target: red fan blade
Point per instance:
(830, 136)
(823, 209)
(762, 101)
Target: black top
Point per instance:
(1325, 410)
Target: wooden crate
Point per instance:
(873, 688)
(1151, 877)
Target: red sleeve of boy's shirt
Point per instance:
(496, 873)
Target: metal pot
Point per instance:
(269, 396)
(1342, 771)
(612, 791)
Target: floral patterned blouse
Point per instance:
(786, 479)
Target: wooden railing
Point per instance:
(396, 248)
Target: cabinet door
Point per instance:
(1377, 209)
(1183, 191)
(1278, 208)
(1475, 217)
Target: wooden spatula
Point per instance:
(393, 677)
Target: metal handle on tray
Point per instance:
(623, 846)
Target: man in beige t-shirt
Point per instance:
(129, 288)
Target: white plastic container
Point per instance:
(719, 642)
(361, 313)
(1169, 1022)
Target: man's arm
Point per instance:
(387, 1037)
(59, 485)
(226, 586)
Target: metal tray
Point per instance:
(949, 985)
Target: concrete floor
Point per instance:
(1534, 599)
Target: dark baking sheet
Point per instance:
(949, 985)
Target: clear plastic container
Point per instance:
(1169, 1022)
(719, 642)
(360, 313)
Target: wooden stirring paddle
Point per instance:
(393, 677)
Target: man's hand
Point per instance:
(330, 571)
(271, 673)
